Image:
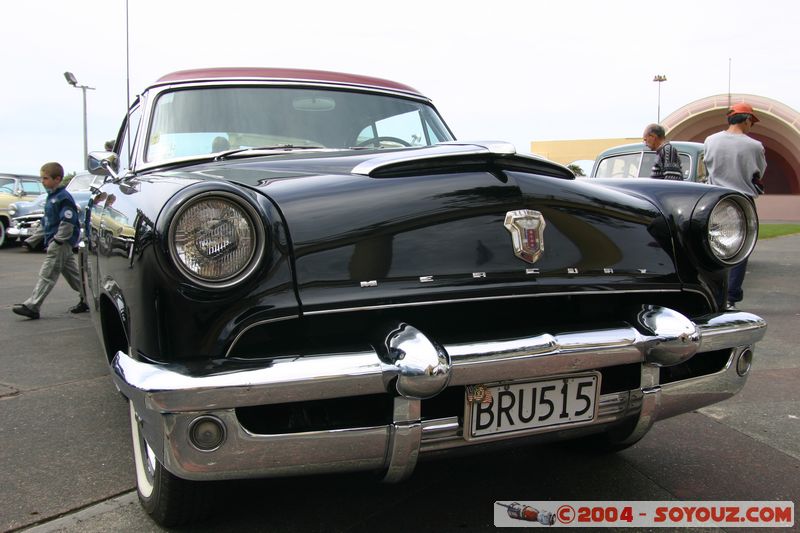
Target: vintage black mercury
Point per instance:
(306, 273)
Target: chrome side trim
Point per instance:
(483, 299)
(254, 325)
(709, 302)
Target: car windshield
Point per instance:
(7, 185)
(200, 121)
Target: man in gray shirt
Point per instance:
(735, 160)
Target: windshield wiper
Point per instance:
(270, 148)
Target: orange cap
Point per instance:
(742, 108)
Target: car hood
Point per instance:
(430, 224)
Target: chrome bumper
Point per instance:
(14, 231)
(169, 397)
(22, 227)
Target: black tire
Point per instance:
(2, 233)
(168, 499)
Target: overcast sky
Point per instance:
(496, 69)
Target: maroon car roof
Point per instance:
(285, 74)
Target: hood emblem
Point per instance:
(527, 233)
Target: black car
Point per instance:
(315, 277)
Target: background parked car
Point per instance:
(636, 161)
(25, 220)
(15, 188)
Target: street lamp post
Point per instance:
(659, 78)
(70, 77)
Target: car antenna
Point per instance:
(127, 81)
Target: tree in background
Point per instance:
(578, 171)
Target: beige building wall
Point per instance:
(565, 152)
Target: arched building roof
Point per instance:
(778, 130)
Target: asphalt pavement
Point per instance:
(65, 453)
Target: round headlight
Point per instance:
(216, 239)
(731, 230)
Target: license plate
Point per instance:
(531, 406)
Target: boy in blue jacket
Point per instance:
(61, 233)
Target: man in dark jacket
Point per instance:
(668, 164)
(61, 233)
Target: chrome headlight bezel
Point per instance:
(254, 223)
(731, 230)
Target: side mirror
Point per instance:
(103, 164)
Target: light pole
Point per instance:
(70, 77)
(659, 78)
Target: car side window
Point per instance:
(702, 176)
(408, 127)
(7, 186)
(126, 145)
(648, 160)
(32, 188)
(686, 165)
